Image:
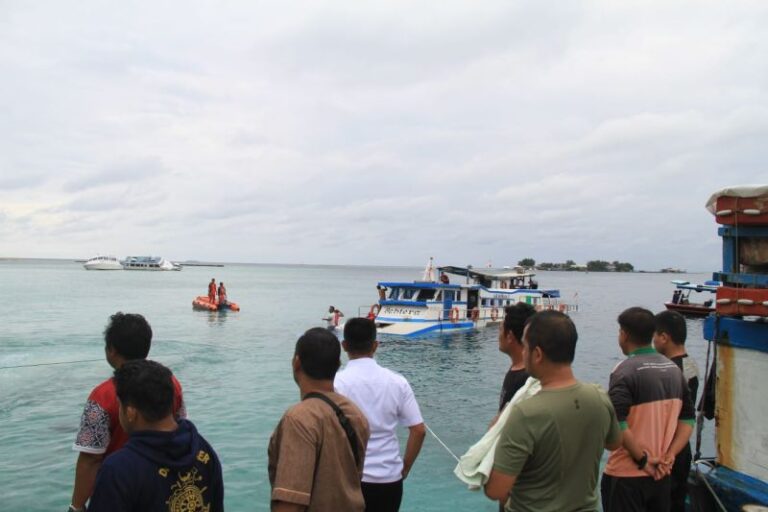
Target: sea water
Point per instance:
(235, 367)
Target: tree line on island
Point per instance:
(591, 266)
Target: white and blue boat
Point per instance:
(737, 478)
(475, 301)
(150, 263)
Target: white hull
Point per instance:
(103, 263)
(102, 266)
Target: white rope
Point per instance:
(441, 443)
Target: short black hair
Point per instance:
(555, 334)
(147, 386)
(672, 323)
(639, 324)
(515, 317)
(360, 333)
(319, 353)
(129, 334)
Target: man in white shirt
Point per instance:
(387, 400)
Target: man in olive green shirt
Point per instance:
(548, 455)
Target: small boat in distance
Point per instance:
(148, 263)
(437, 305)
(103, 263)
(681, 298)
(204, 303)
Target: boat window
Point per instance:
(439, 295)
(394, 293)
(426, 294)
(408, 293)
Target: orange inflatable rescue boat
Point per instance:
(204, 303)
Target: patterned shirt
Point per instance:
(100, 430)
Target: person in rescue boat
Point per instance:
(212, 291)
(222, 294)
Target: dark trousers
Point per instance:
(679, 476)
(635, 494)
(382, 497)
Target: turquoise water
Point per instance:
(235, 367)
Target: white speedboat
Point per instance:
(103, 263)
(428, 306)
(148, 263)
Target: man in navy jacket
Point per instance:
(166, 465)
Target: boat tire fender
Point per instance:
(454, 315)
(475, 314)
(495, 314)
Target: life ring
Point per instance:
(454, 315)
(495, 314)
(475, 314)
(562, 308)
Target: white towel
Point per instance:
(475, 466)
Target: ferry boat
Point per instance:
(103, 263)
(152, 263)
(681, 298)
(737, 479)
(432, 306)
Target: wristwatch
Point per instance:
(72, 508)
(642, 461)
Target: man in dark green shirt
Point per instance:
(548, 455)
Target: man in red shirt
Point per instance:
(127, 337)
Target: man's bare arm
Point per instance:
(416, 435)
(86, 469)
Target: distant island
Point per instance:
(570, 265)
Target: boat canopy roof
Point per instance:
(493, 273)
(420, 285)
(708, 286)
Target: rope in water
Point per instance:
(79, 361)
(441, 442)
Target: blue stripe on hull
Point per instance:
(437, 328)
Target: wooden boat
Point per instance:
(204, 303)
(737, 479)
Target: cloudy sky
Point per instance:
(378, 132)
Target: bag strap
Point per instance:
(345, 423)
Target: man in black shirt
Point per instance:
(510, 343)
(669, 340)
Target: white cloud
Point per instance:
(378, 132)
